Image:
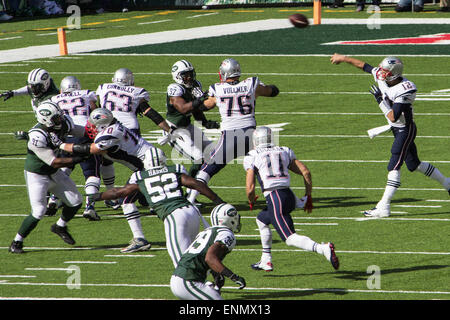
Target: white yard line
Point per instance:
(91, 262)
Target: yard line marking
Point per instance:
(231, 288)
(315, 224)
(11, 38)
(437, 200)
(159, 21)
(92, 262)
(49, 269)
(129, 255)
(202, 15)
(69, 298)
(15, 276)
(255, 55)
(414, 206)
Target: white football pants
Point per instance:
(193, 290)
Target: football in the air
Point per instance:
(299, 20)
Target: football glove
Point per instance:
(219, 280)
(376, 92)
(251, 204)
(211, 124)
(238, 280)
(21, 135)
(6, 95)
(56, 141)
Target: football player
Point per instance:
(188, 140)
(78, 104)
(271, 165)
(206, 253)
(43, 174)
(126, 101)
(117, 143)
(162, 186)
(395, 95)
(235, 99)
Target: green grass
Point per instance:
(410, 247)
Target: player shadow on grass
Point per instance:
(258, 295)
(343, 202)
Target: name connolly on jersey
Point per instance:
(122, 88)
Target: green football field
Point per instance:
(323, 113)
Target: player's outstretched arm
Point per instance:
(250, 187)
(339, 58)
(115, 193)
(300, 168)
(192, 183)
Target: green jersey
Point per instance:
(41, 150)
(162, 188)
(192, 265)
(177, 90)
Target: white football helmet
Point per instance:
(69, 84)
(98, 120)
(391, 69)
(50, 115)
(226, 215)
(154, 158)
(229, 68)
(38, 82)
(183, 73)
(124, 77)
(262, 137)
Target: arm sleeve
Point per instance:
(38, 144)
(21, 91)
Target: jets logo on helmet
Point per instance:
(50, 115)
(38, 82)
(226, 215)
(183, 73)
(390, 69)
(154, 158)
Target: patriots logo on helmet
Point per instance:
(99, 116)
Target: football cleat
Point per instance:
(266, 266)
(89, 213)
(137, 244)
(114, 204)
(377, 213)
(16, 247)
(331, 256)
(63, 233)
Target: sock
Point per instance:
(68, 213)
(18, 237)
(301, 242)
(392, 184)
(28, 224)
(109, 176)
(431, 171)
(91, 186)
(61, 223)
(266, 241)
(134, 219)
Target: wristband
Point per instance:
(384, 108)
(227, 272)
(62, 146)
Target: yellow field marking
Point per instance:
(117, 20)
(141, 17)
(44, 29)
(93, 23)
(166, 12)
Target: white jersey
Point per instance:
(76, 104)
(271, 166)
(122, 101)
(236, 103)
(123, 145)
(403, 92)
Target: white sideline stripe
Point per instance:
(49, 269)
(92, 262)
(129, 255)
(254, 55)
(414, 206)
(315, 224)
(232, 288)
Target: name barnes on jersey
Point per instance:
(122, 88)
(234, 90)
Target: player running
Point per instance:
(395, 95)
(206, 253)
(271, 165)
(162, 186)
